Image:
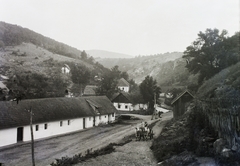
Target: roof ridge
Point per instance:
(183, 92)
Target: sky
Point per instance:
(133, 27)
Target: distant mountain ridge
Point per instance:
(106, 54)
(139, 61)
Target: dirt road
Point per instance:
(46, 151)
(135, 153)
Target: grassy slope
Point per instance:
(29, 57)
(223, 85)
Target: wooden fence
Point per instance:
(224, 116)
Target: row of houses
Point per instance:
(123, 100)
(52, 117)
(56, 116)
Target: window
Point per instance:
(61, 123)
(126, 106)
(119, 106)
(112, 114)
(45, 126)
(36, 127)
(100, 117)
(89, 118)
(105, 116)
(68, 122)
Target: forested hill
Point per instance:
(31, 65)
(211, 52)
(13, 35)
(168, 68)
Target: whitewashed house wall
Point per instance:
(123, 106)
(103, 119)
(53, 129)
(88, 122)
(140, 106)
(96, 120)
(8, 136)
(111, 117)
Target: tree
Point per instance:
(133, 86)
(124, 75)
(84, 55)
(210, 53)
(108, 85)
(149, 90)
(80, 75)
(115, 72)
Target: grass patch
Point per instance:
(68, 161)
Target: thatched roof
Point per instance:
(50, 109)
(103, 104)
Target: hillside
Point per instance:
(168, 69)
(13, 35)
(33, 63)
(128, 64)
(32, 69)
(97, 54)
(225, 85)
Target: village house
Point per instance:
(124, 102)
(52, 117)
(181, 102)
(123, 85)
(65, 69)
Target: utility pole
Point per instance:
(154, 111)
(32, 138)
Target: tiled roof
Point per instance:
(50, 109)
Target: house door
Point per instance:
(84, 123)
(94, 120)
(19, 134)
(108, 118)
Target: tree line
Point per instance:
(212, 52)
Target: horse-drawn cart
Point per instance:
(144, 133)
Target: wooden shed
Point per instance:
(181, 102)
